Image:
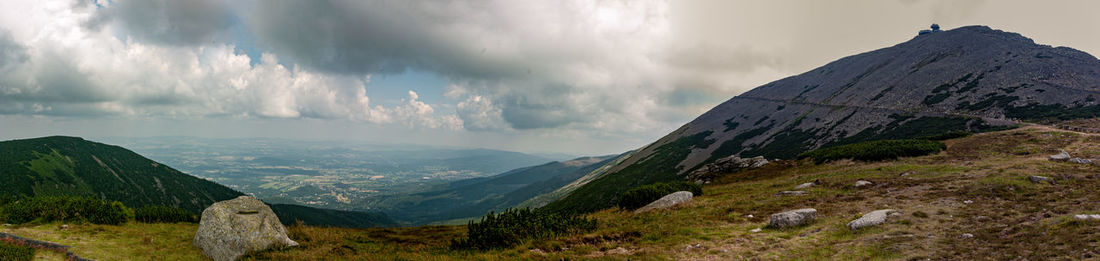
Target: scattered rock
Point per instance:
(873, 218)
(1087, 217)
(7, 225)
(1080, 161)
(1062, 156)
(750, 216)
(1040, 179)
(667, 201)
(229, 229)
(807, 185)
(863, 183)
(792, 218)
(967, 235)
(791, 193)
(726, 165)
(968, 201)
(64, 226)
(756, 230)
(907, 173)
(538, 251)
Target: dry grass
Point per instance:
(977, 186)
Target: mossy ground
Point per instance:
(977, 186)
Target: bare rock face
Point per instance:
(676, 198)
(730, 164)
(871, 219)
(792, 218)
(231, 228)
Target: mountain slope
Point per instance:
(59, 165)
(475, 197)
(970, 78)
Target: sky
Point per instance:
(579, 77)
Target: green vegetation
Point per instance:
(640, 196)
(292, 214)
(875, 150)
(514, 226)
(13, 252)
(1052, 112)
(69, 209)
(70, 166)
(955, 134)
(164, 214)
(660, 167)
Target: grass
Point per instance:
(977, 186)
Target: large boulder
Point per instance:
(229, 229)
(676, 198)
(871, 219)
(730, 164)
(792, 218)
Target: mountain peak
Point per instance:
(971, 78)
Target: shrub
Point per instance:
(76, 209)
(875, 150)
(15, 252)
(514, 226)
(643, 195)
(948, 135)
(163, 214)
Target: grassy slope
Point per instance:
(1008, 216)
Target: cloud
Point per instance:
(172, 22)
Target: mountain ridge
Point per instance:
(971, 78)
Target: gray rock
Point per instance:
(863, 183)
(791, 193)
(807, 185)
(1062, 156)
(1040, 179)
(967, 235)
(756, 230)
(1080, 161)
(792, 218)
(231, 228)
(676, 198)
(871, 219)
(730, 164)
(1087, 217)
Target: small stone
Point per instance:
(873, 218)
(1040, 179)
(1087, 217)
(907, 173)
(1080, 161)
(64, 226)
(791, 193)
(863, 183)
(7, 225)
(756, 230)
(750, 216)
(967, 235)
(618, 251)
(968, 201)
(792, 218)
(804, 185)
(1062, 156)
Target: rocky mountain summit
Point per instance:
(972, 78)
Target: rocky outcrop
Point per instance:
(730, 164)
(668, 201)
(793, 218)
(231, 228)
(871, 219)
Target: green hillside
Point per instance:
(58, 165)
(475, 197)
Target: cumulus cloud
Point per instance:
(165, 21)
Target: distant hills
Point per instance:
(971, 78)
(60, 165)
(476, 197)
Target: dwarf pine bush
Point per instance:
(875, 150)
(515, 226)
(72, 209)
